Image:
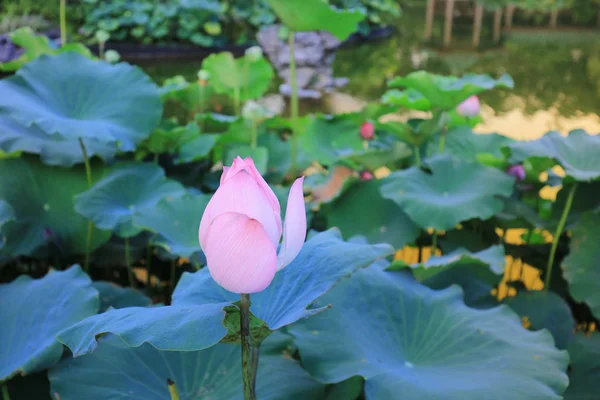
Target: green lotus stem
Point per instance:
(293, 102)
(90, 228)
(63, 22)
(433, 243)
(5, 395)
(173, 273)
(245, 342)
(255, 357)
(417, 156)
(128, 264)
(557, 234)
(254, 137)
(236, 101)
(101, 50)
(172, 389)
(201, 107)
(442, 141)
(148, 265)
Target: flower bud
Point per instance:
(112, 56)
(469, 108)
(241, 227)
(366, 175)
(254, 53)
(367, 130)
(517, 171)
(102, 36)
(253, 111)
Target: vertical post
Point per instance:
(497, 25)
(508, 17)
(429, 14)
(478, 17)
(449, 17)
(554, 18)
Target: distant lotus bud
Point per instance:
(102, 36)
(517, 171)
(367, 130)
(470, 107)
(213, 28)
(241, 228)
(253, 111)
(112, 56)
(366, 175)
(254, 53)
(203, 77)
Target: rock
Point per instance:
(315, 54)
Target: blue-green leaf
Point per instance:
(584, 373)
(73, 97)
(33, 311)
(126, 191)
(410, 342)
(115, 296)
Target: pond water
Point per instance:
(556, 74)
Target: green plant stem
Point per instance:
(201, 107)
(442, 141)
(433, 243)
(417, 156)
(255, 357)
(90, 228)
(173, 390)
(245, 341)
(128, 264)
(148, 266)
(236, 101)
(293, 102)
(556, 237)
(101, 50)
(5, 395)
(254, 137)
(63, 22)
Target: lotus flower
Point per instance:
(367, 130)
(469, 108)
(241, 227)
(366, 175)
(517, 171)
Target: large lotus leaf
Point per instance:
(117, 371)
(35, 45)
(477, 284)
(576, 153)
(115, 296)
(410, 98)
(172, 328)
(454, 191)
(42, 200)
(175, 221)
(251, 78)
(489, 260)
(584, 373)
(53, 149)
(585, 199)
(74, 97)
(465, 144)
(126, 191)
(379, 219)
(581, 268)
(545, 310)
(416, 343)
(6, 214)
(447, 92)
(196, 149)
(317, 15)
(34, 310)
(324, 260)
(204, 5)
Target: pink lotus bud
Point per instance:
(241, 227)
(366, 175)
(469, 108)
(367, 130)
(517, 171)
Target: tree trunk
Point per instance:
(508, 17)
(478, 17)
(448, 22)
(497, 25)
(429, 14)
(554, 18)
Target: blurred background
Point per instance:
(551, 48)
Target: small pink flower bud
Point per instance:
(366, 175)
(469, 108)
(517, 171)
(367, 130)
